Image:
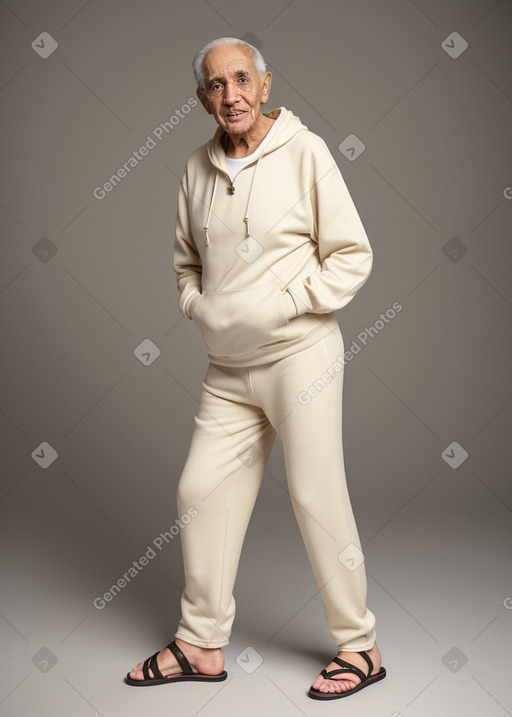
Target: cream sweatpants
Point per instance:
(240, 411)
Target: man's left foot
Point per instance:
(339, 683)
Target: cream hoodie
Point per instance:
(262, 262)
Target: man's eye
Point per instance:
(216, 86)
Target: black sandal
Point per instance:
(346, 668)
(186, 674)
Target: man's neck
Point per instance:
(242, 145)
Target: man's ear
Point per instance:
(266, 82)
(205, 100)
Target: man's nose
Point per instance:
(231, 93)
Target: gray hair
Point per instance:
(197, 62)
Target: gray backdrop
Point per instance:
(95, 426)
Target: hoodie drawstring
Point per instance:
(246, 217)
(207, 226)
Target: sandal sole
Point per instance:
(182, 678)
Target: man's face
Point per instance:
(233, 91)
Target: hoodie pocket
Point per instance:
(236, 322)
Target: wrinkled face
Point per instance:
(233, 91)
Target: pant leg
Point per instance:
(310, 427)
(230, 447)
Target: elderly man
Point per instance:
(268, 245)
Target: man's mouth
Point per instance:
(234, 115)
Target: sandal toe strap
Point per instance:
(346, 667)
(151, 663)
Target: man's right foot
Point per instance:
(350, 682)
(207, 661)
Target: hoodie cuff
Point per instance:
(189, 301)
(299, 296)
(290, 310)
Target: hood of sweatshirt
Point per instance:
(287, 126)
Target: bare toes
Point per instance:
(137, 674)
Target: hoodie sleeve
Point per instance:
(344, 249)
(186, 259)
